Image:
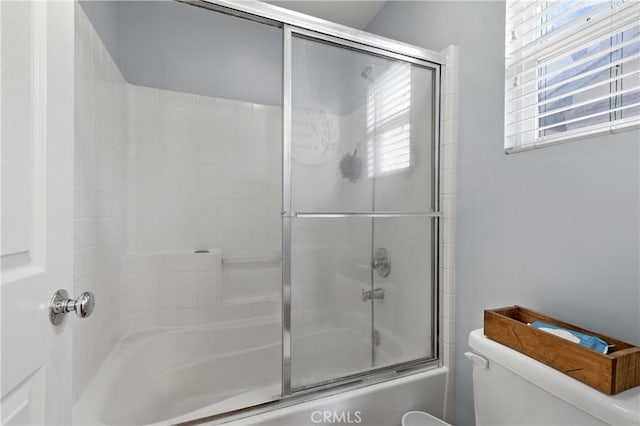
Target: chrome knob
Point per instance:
(381, 262)
(84, 304)
(61, 304)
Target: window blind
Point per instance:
(572, 69)
(388, 121)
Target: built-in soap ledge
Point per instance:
(146, 262)
(251, 256)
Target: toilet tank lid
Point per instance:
(620, 409)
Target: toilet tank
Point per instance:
(510, 388)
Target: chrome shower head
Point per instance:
(366, 73)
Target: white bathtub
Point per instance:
(172, 375)
(381, 404)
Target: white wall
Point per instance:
(100, 155)
(556, 230)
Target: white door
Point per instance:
(36, 128)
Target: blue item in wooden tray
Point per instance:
(591, 342)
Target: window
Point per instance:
(572, 69)
(389, 121)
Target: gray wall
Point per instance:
(556, 230)
(106, 17)
(179, 47)
(174, 46)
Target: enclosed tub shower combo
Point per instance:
(267, 190)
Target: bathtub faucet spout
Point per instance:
(376, 293)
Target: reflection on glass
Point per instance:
(362, 131)
(389, 121)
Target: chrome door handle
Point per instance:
(61, 304)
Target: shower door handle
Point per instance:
(61, 304)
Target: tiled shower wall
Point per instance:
(159, 174)
(448, 191)
(100, 156)
(205, 173)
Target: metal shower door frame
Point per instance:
(289, 214)
(294, 23)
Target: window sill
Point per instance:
(584, 134)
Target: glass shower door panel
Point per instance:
(328, 133)
(401, 150)
(403, 320)
(362, 132)
(361, 125)
(330, 323)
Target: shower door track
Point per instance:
(359, 214)
(268, 14)
(396, 372)
(318, 29)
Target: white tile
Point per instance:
(448, 205)
(167, 317)
(169, 262)
(187, 291)
(84, 230)
(448, 231)
(448, 280)
(209, 278)
(188, 262)
(450, 132)
(448, 330)
(207, 223)
(148, 301)
(447, 255)
(449, 157)
(129, 303)
(187, 317)
(84, 261)
(448, 181)
(207, 315)
(100, 162)
(208, 295)
(169, 224)
(449, 306)
(209, 261)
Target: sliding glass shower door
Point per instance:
(360, 210)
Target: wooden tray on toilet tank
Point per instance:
(611, 373)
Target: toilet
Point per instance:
(510, 388)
